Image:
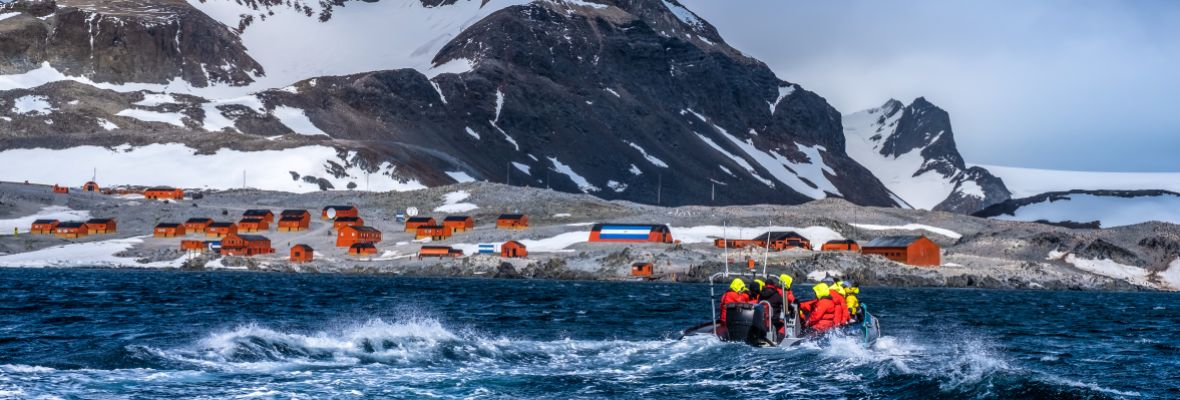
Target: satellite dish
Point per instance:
(412, 212)
(331, 213)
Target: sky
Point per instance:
(1061, 84)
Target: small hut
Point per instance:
(301, 253)
(263, 214)
(197, 225)
(439, 251)
(294, 220)
(245, 245)
(90, 187)
(434, 232)
(512, 221)
(43, 226)
(840, 245)
(642, 269)
(362, 249)
(70, 230)
(341, 222)
(168, 229)
(413, 223)
(513, 249)
(163, 193)
(253, 224)
(912, 250)
(100, 226)
(350, 235)
(333, 212)
(221, 229)
(459, 223)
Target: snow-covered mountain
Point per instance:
(638, 100)
(911, 149)
(1091, 208)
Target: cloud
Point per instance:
(1050, 84)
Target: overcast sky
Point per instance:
(1069, 84)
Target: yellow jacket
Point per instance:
(853, 303)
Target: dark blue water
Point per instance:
(98, 334)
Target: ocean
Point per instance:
(148, 334)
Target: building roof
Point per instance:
(892, 241)
(457, 218)
(221, 224)
(45, 221)
(774, 236)
(362, 246)
(167, 225)
(199, 220)
(71, 224)
(447, 248)
(302, 246)
(100, 220)
(514, 243)
(419, 219)
(511, 216)
(361, 228)
(326, 208)
(161, 188)
(254, 238)
(347, 219)
(257, 212)
(294, 212)
(654, 227)
(842, 241)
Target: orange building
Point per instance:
(253, 224)
(333, 212)
(630, 233)
(459, 223)
(840, 245)
(245, 245)
(434, 232)
(43, 227)
(90, 187)
(100, 226)
(264, 215)
(413, 223)
(513, 249)
(439, 251)
(197, 225)
(349, 235)
(301, 253)
(294, 220)
(340, 222)
(70, 230)
(912, 250)
(163, 193)
(220, 229)
(60, 189)
(512, 221)
(779, 241)
(643, 269)
(168, 229)
(362, 249)
(194, 245)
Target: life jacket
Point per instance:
(853, 303)
(774, 296)
(732, 297)
(823, 315)
(841, 311)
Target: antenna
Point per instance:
(766, 253)
(243, 179)
(94, 175)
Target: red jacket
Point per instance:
(842, 316)
(823, 315)
(732, 297)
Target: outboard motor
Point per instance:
(739, 318)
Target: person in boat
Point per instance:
(821, 312)
(851, 290)
(836, 292)
(773, 294)
(735, 294)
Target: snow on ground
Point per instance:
(452, 203)
(1110, 211)
(564, 169)
(740, 161)
(1104, 267)
(707, 233)
(683, 14)
(523, 168)
(783, 91)
(155, 99)
(171, 118)
(32, 105)
(88, 254)
(59, 213)
(911, 227)
(472, 133)
(127, 165)
(107, 125)
(897, 173)
(7, 15)
(1026, 182)
(1171, 276)
(459, 176)
(650, 158)
(297, 121)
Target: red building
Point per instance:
(333, 212)
(163, 193)
(253, 224)
(245, 245)
(262, 214)
(60, 189)
(349, 235)
(221, 229)
(194, 245)
(294, 220)
(90, 187)
(439, 251)
(168, 229)
(43, 227)
(301, 253)
(70, 230)
(341, 222)
(362, 249)
(778, 241)
(434, 232)
(631, 233)
(197, 225)
(413, 223)
(513, 249)
(100, 226)
(459, 223)
(912, 250)
(512, 221)
(642, 269)
(840, 245)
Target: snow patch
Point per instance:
(296, 120)
(107, 125)
(635, 170)
(684, 15)
(707, 233)
(618, 187)
(32, 105)
(971, 189)
(89, 254)
(170, 118)
(612, 91)
(1110, 211)
(459, 176)
(472, 133)
(1104, 267)
(650, 158)
(523, 168)
(564, 169)
(7, 15)
(60, 213)
(910, 227)
(740, 161)
(453, 203)
(155, 99)
(1028, 182)
(783, 91)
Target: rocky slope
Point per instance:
(637, 100)
(911, 149)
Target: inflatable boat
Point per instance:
(755, 324)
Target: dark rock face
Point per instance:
(119, 41)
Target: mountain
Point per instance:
(1090, 208)
(911, 149)
(623, 99)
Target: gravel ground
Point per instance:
(994, 254)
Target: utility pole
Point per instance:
(94, 175)
(547, 178)
(712, 192)
(659, 188)
(243, 179)
(508, 173)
